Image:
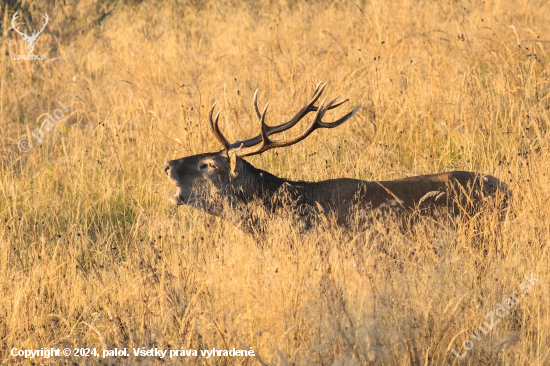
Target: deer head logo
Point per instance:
(29, 40)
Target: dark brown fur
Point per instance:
(210, 182)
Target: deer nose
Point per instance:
(167, 169)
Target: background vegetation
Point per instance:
(92, 254)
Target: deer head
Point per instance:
(208, 181)
(29, 40)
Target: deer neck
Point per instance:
(259, 184)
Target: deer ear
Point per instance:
(233, 161)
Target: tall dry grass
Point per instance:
(93, 255)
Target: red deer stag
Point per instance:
(223, 183)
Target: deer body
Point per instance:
(222, 181)
(214, 188)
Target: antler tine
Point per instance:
(255, 105)
(215, 129)
(265, 141)
(263, 127)
(314, 108)
(338, 122)
(322, 110)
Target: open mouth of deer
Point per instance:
(177, 199)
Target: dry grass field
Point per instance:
(93, 255)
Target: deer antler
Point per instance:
(13, 24)
(308, 107)
(43, 26)
(25, 35)
(262, 142)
